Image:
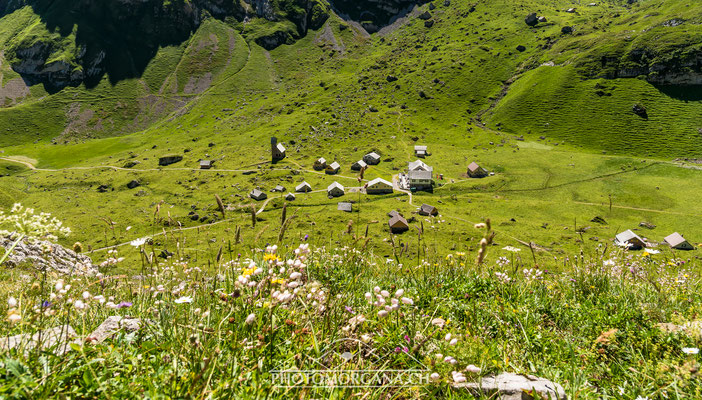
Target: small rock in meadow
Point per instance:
(426, 15)
(531, 19)
(111, 326)
(133, 184)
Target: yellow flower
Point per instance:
(278, 281)
(248, 271)
(270, 257)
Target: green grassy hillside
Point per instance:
(459, 86)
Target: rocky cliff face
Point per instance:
(85, 39)
(677, 68)
(376, 13)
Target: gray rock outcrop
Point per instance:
(46, 255)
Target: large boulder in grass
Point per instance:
(45, 255)
(170, 159)
(531, 19)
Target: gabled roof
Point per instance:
(420, 148)
(393, 213)
(335, 185)
(418, 165)
(360, 163)
(334, 165)
(257, 194)
(676, 240)
(629, 239)
(321, 160)
(427, 209)
(398, 221)
(280, 147)
(373, 155)
(344, 206)
(205, 162)
(379, 180)
(279, 188)
(290, 196)
(474, 167)
(303, 186)
(414, 175)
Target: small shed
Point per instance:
(630, 240)
(394, 213)
(418, 165)
(420, 151)
(320, 164)
(379, 186)
(278, 189)
(258, 195)
(206, 164)
(428, 210)
(277, 150)
(345, 206)
(372, 158)
(335, 190)
(304, 187)
(290, 197)
(678, 242)
(476, 171)
(358, 165)
(398, 224)
(333, 168)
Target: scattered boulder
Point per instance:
(570, 10)
(131, 164)
(432, 6)
(429, 24)
(111, 326)
(391, 78)
(521, 48)
(647, 225)
(509, 386)
(447, 3)
(599, 220)
(58, 337)
(531, 19)
(168, 160)
(103, 188)
(133, 184)
(640, 110)
(567, 30)
(542, 19)
(57, 258)
(426, 15)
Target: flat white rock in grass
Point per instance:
(509, 386)
(57, 338)
(111, 326)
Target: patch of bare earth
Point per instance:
(80, 124)
(326, 38)
(12, 92)
(197, 85)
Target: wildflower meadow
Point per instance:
(299, 320)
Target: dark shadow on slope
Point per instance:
(373, 14)
(683, 93)
(117, 38)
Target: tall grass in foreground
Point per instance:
(219, 333)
